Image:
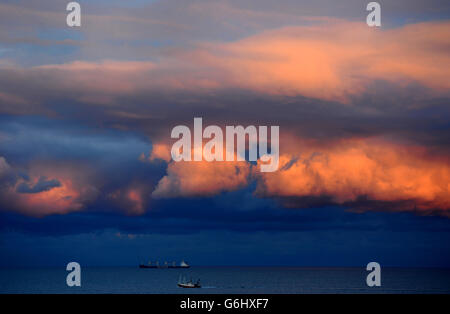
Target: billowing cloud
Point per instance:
(35, 195)
(337, 82)
(202, 178)
(350, 170)
(402, 176)
(336, 61)
(160, 151)
(133, 200)
(331, 61)
(5, 168)
(43, 184)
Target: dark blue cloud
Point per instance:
(43, 184)
(319, 237)
(35, 137)
(185, 216)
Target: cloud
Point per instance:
(160, 151)
(90, 165)
(354, 170)
(202, 178)
(133, 199)
(359, 173)
(41, 185)
(333, 62)
(329, 79)
(121, 30)
(5, 168)
(329, 61)
(70, 192)
(333, 81)
(7, 174)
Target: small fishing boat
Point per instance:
(188, 284)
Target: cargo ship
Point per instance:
(183, 264)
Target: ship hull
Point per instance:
(154, 266)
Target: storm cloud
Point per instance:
(87, 113)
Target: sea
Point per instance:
(231, 280)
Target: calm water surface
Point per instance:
(225, 280)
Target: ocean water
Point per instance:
(225, 280)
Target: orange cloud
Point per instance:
(349, 169)
(202, 178)
(331, 60)
(59, 200)
(343, 171)
(335, 60)
(160, 151)
(73, 192)
(97, 82)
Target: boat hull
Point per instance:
(181, 285)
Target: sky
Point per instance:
(86, 115)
